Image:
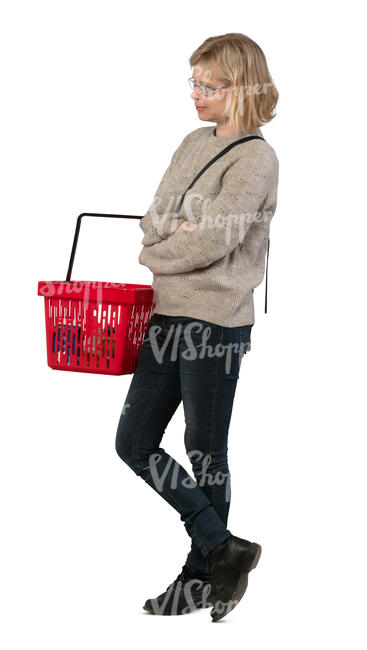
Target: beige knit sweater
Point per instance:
(209, 273)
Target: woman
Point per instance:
(206, 261)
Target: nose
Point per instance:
(195, 94)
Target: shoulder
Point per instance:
(256, 152)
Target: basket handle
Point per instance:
(77, 229)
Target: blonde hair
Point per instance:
(237, 61)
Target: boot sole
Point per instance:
(253, 555)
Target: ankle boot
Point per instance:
(189, 591)
(230, 563)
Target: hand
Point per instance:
(186, 225)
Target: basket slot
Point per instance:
(93, 336)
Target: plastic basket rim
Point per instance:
(122, 286)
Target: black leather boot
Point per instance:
(189, 591)
(230, 563)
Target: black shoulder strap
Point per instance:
(221, 153)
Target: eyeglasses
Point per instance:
(207, 91)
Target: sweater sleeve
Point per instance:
(155, 225)
(224, 224)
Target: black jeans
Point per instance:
(198, 362)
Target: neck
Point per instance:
(223, 130)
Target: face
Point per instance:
(214, 108)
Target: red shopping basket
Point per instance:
(95, 327)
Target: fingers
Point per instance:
(187, 225)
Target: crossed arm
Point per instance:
(224, 225)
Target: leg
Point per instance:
(208, 385)
(152, 399)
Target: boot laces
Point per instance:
(185, 575)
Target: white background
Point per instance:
(95, 100)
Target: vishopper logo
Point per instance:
(205, 220)
(206, 477)
(241, 90)
(193, 592)
(124, 408)
(241, 221)
(169, 216)
(191, 352)
(206, 597)
(51, 289)
(245, 90)
(183, 597)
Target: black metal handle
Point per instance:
(77, 229)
